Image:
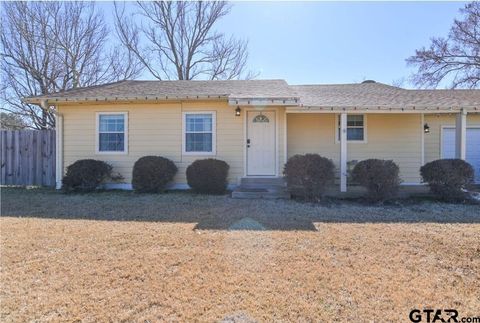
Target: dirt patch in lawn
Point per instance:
(68, 263)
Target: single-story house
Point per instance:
(256, 125)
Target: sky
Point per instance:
(336, 42)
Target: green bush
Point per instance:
(447, 178)
(380, 178)
(151, 174)
(86, 175)
(208, 176)
(309, 175)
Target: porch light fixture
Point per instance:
(237, 111)
(426, 128)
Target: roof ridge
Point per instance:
(349, 84)
(453, 90)
(253, 80)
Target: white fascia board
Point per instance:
(379, 109)
(263, 101)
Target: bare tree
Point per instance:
(178, 41)
(454, 59)
(10, 121)
(400, 82)
(54, 46)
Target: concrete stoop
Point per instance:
(261, 188)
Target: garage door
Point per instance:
(473, 147)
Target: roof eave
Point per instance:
(282, 101)
(267, 101)
(54, 100)
(380, 108)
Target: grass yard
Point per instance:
(118, 256)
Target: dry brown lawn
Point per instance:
(178, 257)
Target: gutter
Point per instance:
(283, 101)
(290, 101)
(385, 108)
(38, 101)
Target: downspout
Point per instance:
(58, 143)
(461, 134)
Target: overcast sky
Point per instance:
(335, 42)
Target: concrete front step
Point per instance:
(259, 194)
(274, 181)
(261, 188)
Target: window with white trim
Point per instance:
(199, 133)
(111, 136)
(355, 127)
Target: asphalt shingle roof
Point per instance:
(382, 95)
(359, 95)
(181, 89)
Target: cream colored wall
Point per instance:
(312, 133)
(389, 136)
(433, 139)
(156, 129)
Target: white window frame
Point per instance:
(337, 120)
(97, 134)
(214, 134)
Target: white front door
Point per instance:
(472, 151)
(261, 143)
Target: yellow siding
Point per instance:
(389, 136)
(436, 122)
(312, 133)
(156, 129)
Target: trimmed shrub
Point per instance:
(380, 178)
(208, 176)
(447, 178)
(151, 174)
(309, 175)
(86, 175)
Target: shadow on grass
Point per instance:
(224, 213)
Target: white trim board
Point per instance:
(343, 152)
(277, 143)
(422, 123)
(285, 138)
(374, 110)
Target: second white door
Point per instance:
(473, 147)
(261, 143)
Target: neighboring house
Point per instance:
(255, 125)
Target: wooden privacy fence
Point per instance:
(28, 157)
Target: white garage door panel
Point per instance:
(473, 147)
